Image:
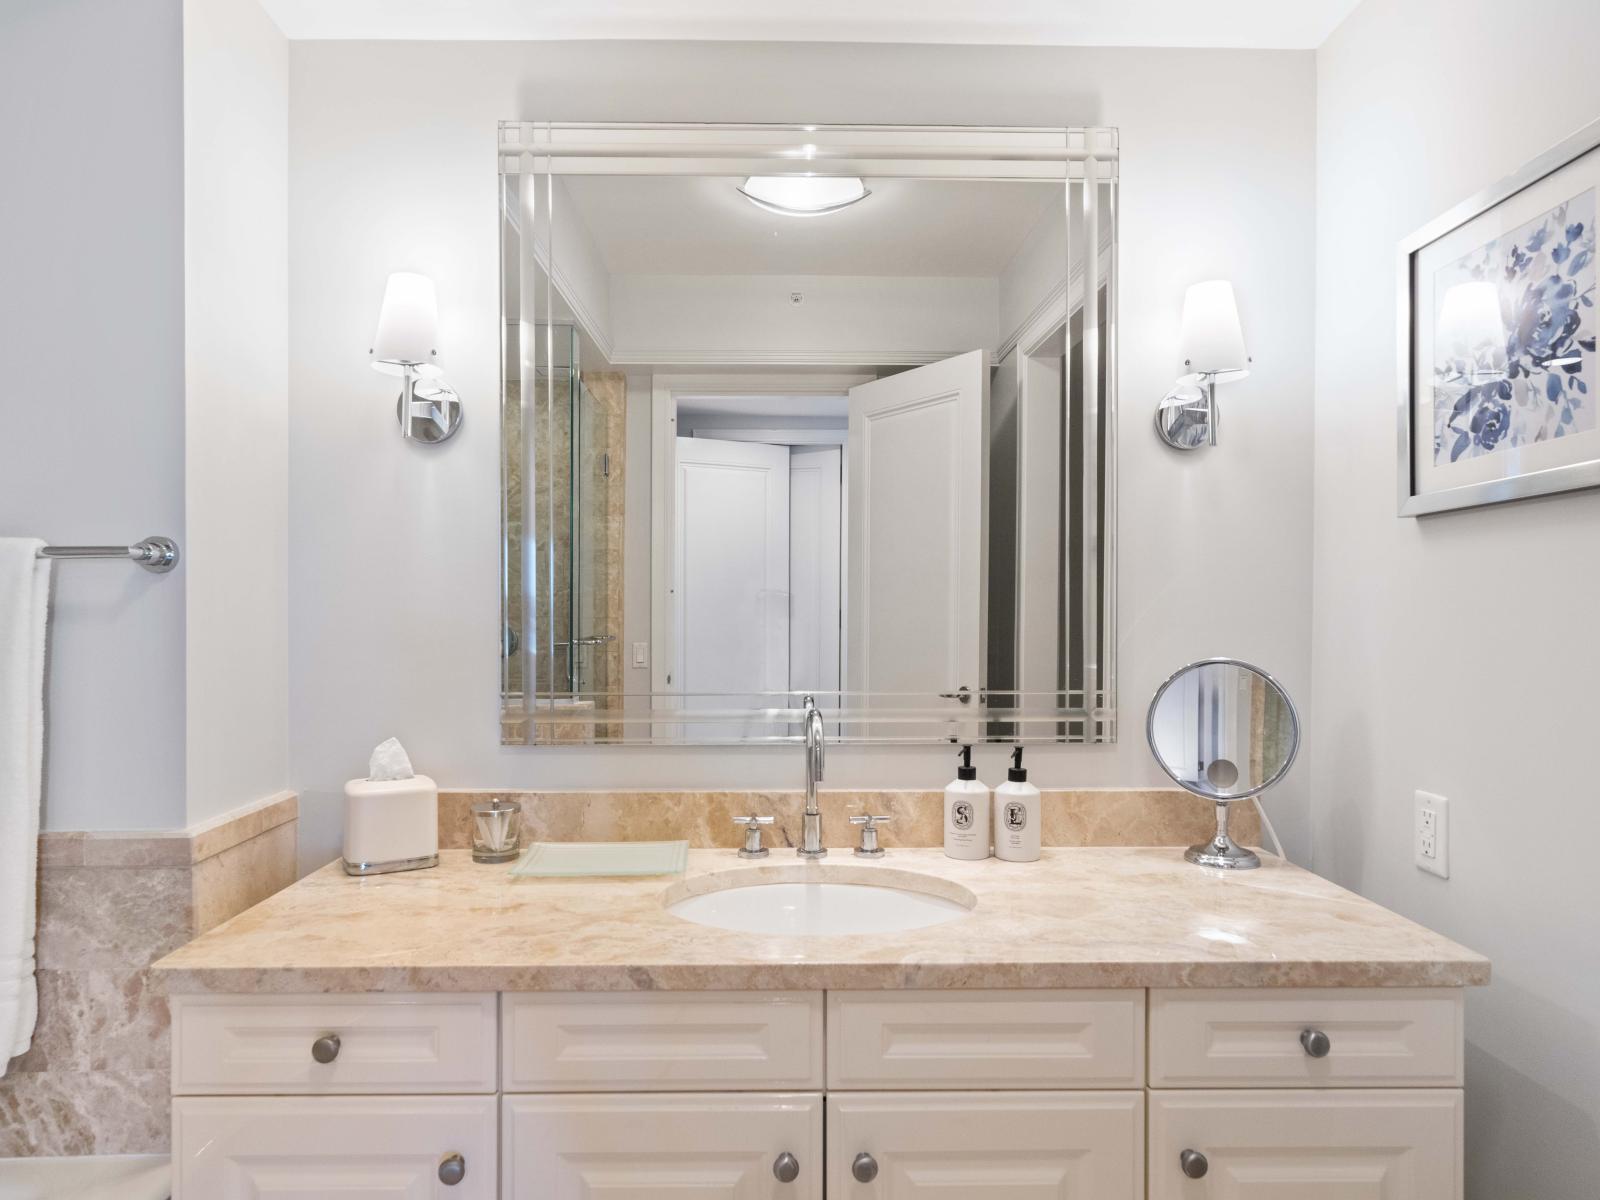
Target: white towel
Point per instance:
(24, 609)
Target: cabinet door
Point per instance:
(311, 1148)
(1307, 1145)
(995, 1145)
(713, 1146)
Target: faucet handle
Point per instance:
(753, 825)
(869, 823)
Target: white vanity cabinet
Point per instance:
(1112, 1094)
(663, 1146)
(999, 1145)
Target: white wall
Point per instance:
(91, 305)
(394, 555)
(1453, 653)
(236, 162)
(856, 319)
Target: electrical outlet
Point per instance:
(1431, 834)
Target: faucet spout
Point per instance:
(816, 754)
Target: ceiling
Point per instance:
(1262, 24)
(701, 225)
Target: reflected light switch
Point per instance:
(641, 654)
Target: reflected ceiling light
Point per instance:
(803, 195)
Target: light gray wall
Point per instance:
(236, 179)
(394, 549)
(91, 309)
(1454, 653)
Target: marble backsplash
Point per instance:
(1072, 817)
(96, 1079)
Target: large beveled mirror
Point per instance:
(807, 412)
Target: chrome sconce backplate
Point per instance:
(1186, 418)
(435, 412)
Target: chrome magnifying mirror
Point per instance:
(1226, 731)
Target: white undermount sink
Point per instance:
(806, 899)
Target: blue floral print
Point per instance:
(1490, 397)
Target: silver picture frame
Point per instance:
(1574, 476)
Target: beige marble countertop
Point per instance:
(1079, 917)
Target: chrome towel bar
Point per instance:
(158, 554)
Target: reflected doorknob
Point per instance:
(786, 1168)
(452, 1169)
(864, 1168)
(1194, 1164)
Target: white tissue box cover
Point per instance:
(390, 820)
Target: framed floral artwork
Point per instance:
(1499, 398)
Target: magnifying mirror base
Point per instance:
(1222, 852)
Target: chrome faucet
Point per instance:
(816, 747)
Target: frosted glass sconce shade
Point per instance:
(1472, 327)
(408, 322)
(1212, 341)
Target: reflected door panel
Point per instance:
(814, 569)
(730, 586)
(917, 447)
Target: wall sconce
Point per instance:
(1213, 350)
(408, 328)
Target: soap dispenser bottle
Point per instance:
(1016, 815)
(966, 813)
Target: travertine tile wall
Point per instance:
(95, 1080)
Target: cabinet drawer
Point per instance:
(988, 1145)
(1307, 1145)
(705, 1146)
(625, 1041)
(235, 1045)
(314, 1147)
(1253, 1038)
(979, 1039)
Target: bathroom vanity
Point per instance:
(1104, 1023)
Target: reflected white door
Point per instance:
(814, 569)
(730, 575)
(917, 446)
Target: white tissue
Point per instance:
(390, 761)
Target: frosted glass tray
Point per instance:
(603, 858)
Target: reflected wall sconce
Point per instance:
(1213, 350)
(408, 330)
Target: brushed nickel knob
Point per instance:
(1316, 1043)
(1194, 1164)
(786, 1168)
(864, 1168)
(452, 1169)
(326, 1048)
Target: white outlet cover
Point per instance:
(1426, 804)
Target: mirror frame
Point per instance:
(1087, 156)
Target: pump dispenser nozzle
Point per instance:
(966, 770)
(1016, 773)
